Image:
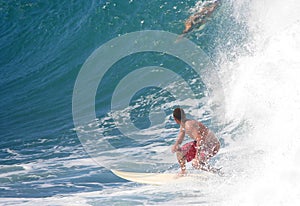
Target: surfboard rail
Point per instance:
(156, 178)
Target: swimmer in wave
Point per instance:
(199, 18)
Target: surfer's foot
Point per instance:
(182, 173)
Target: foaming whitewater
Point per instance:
(262, 90)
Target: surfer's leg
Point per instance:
(204, 165)
(181, 160)
(186, 154)
(210, 149)
(204, 158)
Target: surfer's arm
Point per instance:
(179, 140)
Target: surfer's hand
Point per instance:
(175, 148)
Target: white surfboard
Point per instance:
(157, 178)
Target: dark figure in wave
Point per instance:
(199, 18)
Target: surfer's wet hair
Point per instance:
(179, 114)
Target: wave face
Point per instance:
(255, 47)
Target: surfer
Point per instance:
(199, 18)
(204, 145)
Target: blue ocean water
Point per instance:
(44, 44)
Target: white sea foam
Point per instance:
(263, 89)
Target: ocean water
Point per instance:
(250, 98)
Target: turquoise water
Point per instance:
(44, 44)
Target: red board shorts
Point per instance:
(189, 150)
